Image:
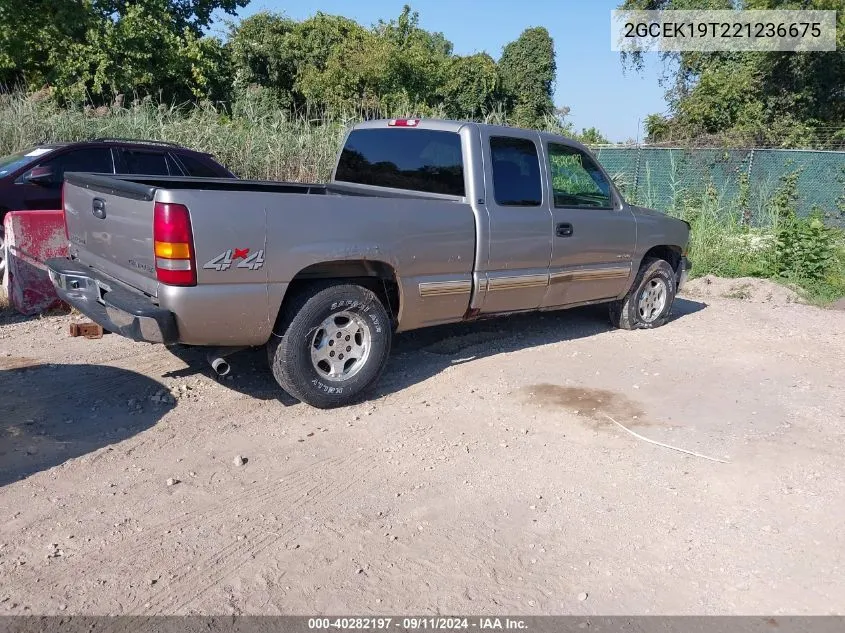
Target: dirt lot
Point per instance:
(483, 477)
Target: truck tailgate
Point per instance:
(110, 227)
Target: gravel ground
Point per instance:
(484, 476)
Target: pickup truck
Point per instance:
(424, 222)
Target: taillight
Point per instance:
(64, 213)
(174, 245)
(403, 122)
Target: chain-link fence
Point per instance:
(745, 180)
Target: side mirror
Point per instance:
(41, 176)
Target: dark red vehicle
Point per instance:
(32, 179)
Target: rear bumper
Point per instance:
(682, 274)
(118, 310)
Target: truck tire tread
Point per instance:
(623, 313)
(287, 353)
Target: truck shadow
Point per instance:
(50, 413)
(420, 354)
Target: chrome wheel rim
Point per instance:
(340, 346)
(652, 300)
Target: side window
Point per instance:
(95, 160)
(576, 179)
(516, 172)
(197, 168)
(148, 163)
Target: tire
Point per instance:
(312, 323)
(642, 308)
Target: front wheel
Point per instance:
(333, 344)
(649, 301)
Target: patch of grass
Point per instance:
(743, 292)
(829, 289)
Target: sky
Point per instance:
(590, 77)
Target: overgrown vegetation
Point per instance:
(253, 137)
(778, 99)
(257, 140)
(271, 98)
(772, 99)
(97, 51)
(802, 252)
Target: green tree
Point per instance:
(261, 56)
(103, 47)
(354, 75)
(592, 136)
(299, 63)
(209, 64)
(527, 70)
(38, 35)
(394, 65)
(471, 86)
(195, 15)
(776, 98)
(417, 59)
(333, 56)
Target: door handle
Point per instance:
(98, 208)
(564, 229)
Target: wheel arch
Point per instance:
(375, 275)
(670, 253)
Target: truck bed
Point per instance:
(250, 239)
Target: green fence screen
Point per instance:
(661, 177)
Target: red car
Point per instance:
(32, 179)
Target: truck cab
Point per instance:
(551, 228)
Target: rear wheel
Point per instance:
(649, 301)
(332, 345)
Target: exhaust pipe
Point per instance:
(220, 365)
(217, 359)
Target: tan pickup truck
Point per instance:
(424, 222)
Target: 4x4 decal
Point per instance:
(226, 259)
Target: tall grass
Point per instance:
(801, 252)
(254, 141)
(252, 137)
(258, 141)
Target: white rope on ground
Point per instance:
(674, 448)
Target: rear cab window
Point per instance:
(429, 161)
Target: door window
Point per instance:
(199, 169)
(148, 163)
(95, 160)
(516, 172)
(576, 179)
